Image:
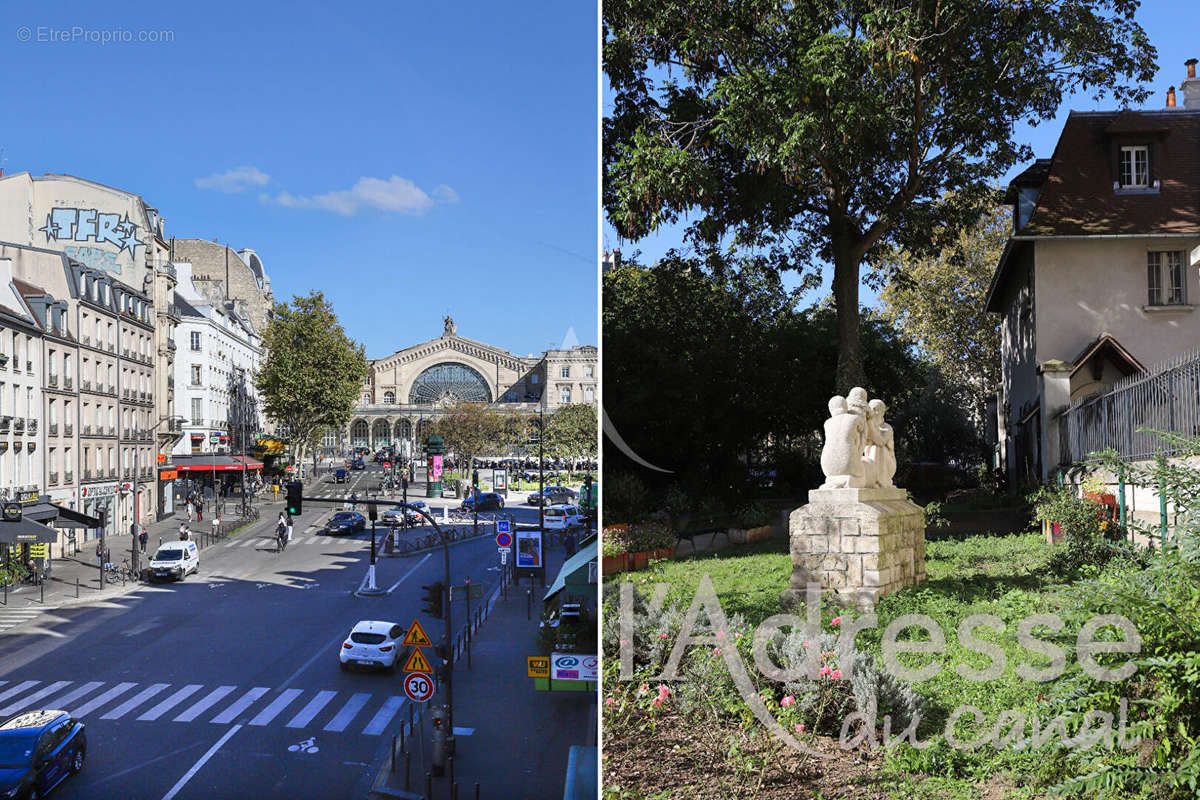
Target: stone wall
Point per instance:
(860, 544)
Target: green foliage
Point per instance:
(472, 429)
(312, 373)
(1089, 541)
(820, 131)
(625, 497)
(752, 515)
(572, 432)
(650, 536)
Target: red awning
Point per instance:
(215, 463)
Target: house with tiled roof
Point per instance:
(1099, 278)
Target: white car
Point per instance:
(561, 517)
(174, 560)
(372, 643)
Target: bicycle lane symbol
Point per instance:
(307, 746)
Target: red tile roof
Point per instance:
(1077, 198)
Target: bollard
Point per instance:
(468, 653)
(76, 587)
(454, 791)
(6, 590)
(450, 766)
(476, 790)
(393, 769)
(528, 604)
(407, 767)
(428, 786)
(42, 584)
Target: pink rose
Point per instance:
(663, 691)
(799, 727)
(837, 674)
(609, 701)
(836, 621)
(716, 651)
(662, 635)
(825, 671)
(657, 702)
(645, 687)
(788, 701)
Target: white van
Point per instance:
(174, 560)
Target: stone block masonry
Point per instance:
(859, 544)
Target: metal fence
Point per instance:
(1165, 398)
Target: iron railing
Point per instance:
(1126, 416)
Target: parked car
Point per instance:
(561, 517)
(552, 494)
(38, 751)
(173, 561)
(372, 643)
(488, 501)
(339, 476)
(344, 522)
(358, 463)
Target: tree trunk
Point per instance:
(845, 295)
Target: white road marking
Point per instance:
(198, 708)
(379, 722)
(187, 776)
(100, 700)
(71, 697)
(243, 702)
(135, 701)
(20, 687)
(279, 704)
(312, 709)
(347, 712)
(410, 572)
(29, 700)
(170, 702)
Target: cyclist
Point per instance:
(281, 535)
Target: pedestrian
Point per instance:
(275, 491)
(216, 525)
(189, 509)
(100, 553)
(184, 532)
(199, 511)
(289, 527)
(142, 538)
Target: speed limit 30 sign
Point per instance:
(418, 686)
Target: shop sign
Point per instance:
(30, 496)
(162, 458)
(12, 512)
(168, 474)
(99, 491)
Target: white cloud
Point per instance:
(238, 179)
(394, 194)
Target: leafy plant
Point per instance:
(1090, 541)
(753, 516)
(650, 536)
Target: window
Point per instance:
(196, 410)
(533, 379)
(589, 394)
(566, 372)
(366, 399)
(1135, 167)
(564, 394)
(195, 374)
(196, 340)
(589, 372)
(1166, 278)
(389, 398)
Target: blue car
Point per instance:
(38, 751)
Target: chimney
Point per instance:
(1191, 87)
(1170, 97)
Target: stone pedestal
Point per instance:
(861, 544)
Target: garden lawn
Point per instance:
(996, 575)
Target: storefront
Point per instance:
(99, 502)
(207, 474)
(167, 478)
(26, 532)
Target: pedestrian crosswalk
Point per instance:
(260, 706)
(11, 617)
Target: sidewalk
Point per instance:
(513, 741)
(75, 578)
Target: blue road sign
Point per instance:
(502, 526)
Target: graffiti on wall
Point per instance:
(94, 257)
(92, 225)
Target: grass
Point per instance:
(1000, 576)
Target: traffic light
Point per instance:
(475, 479)
(432, 599)
(294, 505)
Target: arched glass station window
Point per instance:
(448, 382)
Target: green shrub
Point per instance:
(753, 516)
(1089, 541)
(650, 536)
(625, 497)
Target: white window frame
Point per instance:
(1166, 278)
(1129, 166)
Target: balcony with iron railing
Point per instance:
(69, 477)
(53, 478)
(18, 424)
(87, 474)
(68, 429)
(85, 385)
(170, 312)
(31, 426)
(54, 429)
(87, 430)
(112, 430)
(52, 380)
(5, 424)
(68, 382)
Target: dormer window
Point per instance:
(1135, 167)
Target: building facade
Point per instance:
(121, 317)
(412, 387)
(1100, 275)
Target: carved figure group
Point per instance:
(860, 448)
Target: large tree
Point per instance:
(937, 302)
(313, 371)
(571, 432)
(818, 131)
(472, 429)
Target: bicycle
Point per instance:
(281, 540)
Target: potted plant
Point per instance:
(653, 539)
(615, 549)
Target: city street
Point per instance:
(227, 684)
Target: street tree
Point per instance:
(471, 429)
(817, 132)
(571, 432)
(937, 300)
(313, 371)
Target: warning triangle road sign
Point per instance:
(416, 635)
(417, 662)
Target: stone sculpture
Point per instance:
(859, 449)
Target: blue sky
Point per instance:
(410, 160)
(1165, 22)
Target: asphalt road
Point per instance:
(207, 688)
